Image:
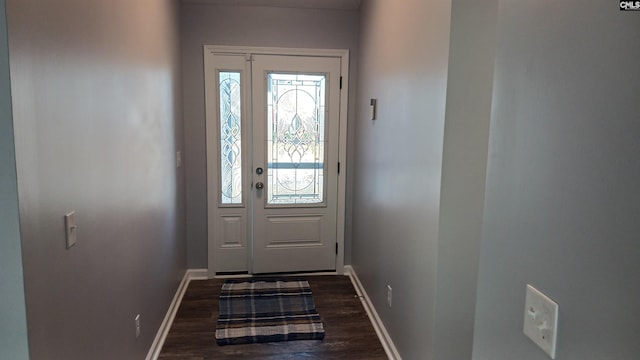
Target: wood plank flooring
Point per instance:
(348, 331)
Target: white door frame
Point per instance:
(212, 141)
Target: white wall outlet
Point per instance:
(541, 320)
(373, 109)
(389, 295)
(137, 322)
(71, 229)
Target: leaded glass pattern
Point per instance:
(230, 137)
(296, 138)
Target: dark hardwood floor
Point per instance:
(348, 331)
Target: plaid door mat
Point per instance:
(267, 310)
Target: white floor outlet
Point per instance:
(541, 320)
(137, 320)
(389, 295)
(71, 229)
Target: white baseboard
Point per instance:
(294, 274)
(163, 331)
(198, 274)
(381, 331)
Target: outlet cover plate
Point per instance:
(541, 320)
(137, 322)
(389, 295)
(71, 229)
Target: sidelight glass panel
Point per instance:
(296, 138)
(230, 137)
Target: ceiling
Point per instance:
(307, 4)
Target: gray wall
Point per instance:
(249, 26)
(404, 47)
(13, 320)
(562, 193)
(96, 101)
(466, 138)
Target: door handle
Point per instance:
(259, 185)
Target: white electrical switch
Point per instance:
(71, 228)
(541, 320)
(373, 109)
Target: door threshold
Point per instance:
(280, 274)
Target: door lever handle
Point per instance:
(259, 185)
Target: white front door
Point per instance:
(275, 140)
(295, 143)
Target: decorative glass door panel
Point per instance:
(228, 133)
(296, 138)
(230, 137)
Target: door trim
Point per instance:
(212, 151)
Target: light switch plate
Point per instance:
(71, 228)
(541, 320)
